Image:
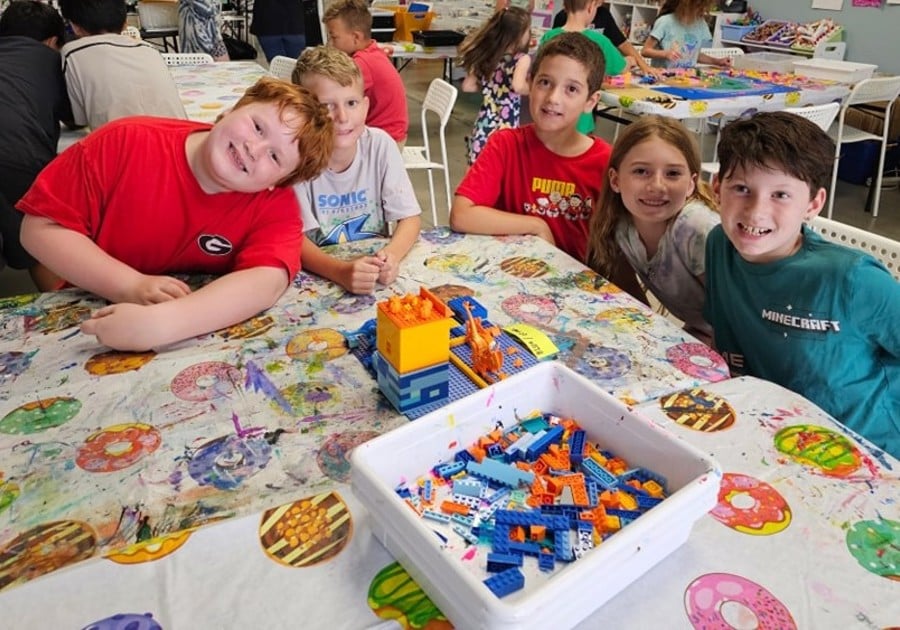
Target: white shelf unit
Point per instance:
(634, 18)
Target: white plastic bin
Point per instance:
(765, 62)
(577, 589)
(835, 70)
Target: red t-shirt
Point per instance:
(517, 173)
(128, 187)
(384, 87)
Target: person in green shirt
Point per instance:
(579, 17)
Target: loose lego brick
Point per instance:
(546, 562)
(499, 472)
(465, 521)
(506, 582)
(435, 516)
(451, 507)
(427, 491)
(554, 434)
(527, 519)
(497, 562)
(468, 486)
(576, 446)
(449, 469)
(466, 534)
(600, 474)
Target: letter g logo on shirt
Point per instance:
(214, 245)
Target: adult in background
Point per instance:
(33, 101)
(278, 24)
(198, 28)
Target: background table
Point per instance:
(644, 99)
(209, 90)
(120, 448)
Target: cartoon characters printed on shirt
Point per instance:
(557, 199)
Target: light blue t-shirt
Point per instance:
(688, 39)
(823, 323)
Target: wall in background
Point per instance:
(869, 32)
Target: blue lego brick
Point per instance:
(500, 538)
(507, 582)
(546, 562)
(643, 475)
(562, 545)
(465, 521)
(599, 474)
(464, 456)
(625, 516)
(541, 444)
(593, 491)
(495, 451)
(645, 502)
(499, 472)
(577, 442)
(497, 562)
(427, 491)
(466, 534)
(412, 389)
(535, 424)
(445, 471)
(497, 496)
(467, 486)
(435, 516)
(513, 518)
(459, 387)
(457, 305)
(525, 548)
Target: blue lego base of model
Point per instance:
(414, 389)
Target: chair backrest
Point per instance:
(186, 59)
(873, 90)
(132, 32)
(282, 67)
(440, 99)
(830, 50)
(720, 53)
(822, 115)
(880, 247)
(158, 16)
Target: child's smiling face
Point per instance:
(560, 94)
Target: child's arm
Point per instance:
(520, 75)
(223, 302)
(714, 61)
(356, 276)
(652, 50)
(405, 236)
(470, 83)
(78, 260)
(467, 217)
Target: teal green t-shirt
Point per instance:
(615, 64)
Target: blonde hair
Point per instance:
(602, 248)
(354, 13)
(481, 52)
(328, 62)
(314, 133)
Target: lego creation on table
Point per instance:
(425, 354)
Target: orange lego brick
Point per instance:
(537, 533)
(653, 489)
(452, 507)
(517, 534)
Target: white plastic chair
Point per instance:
(821, 115)
(187, 59)
(880, 247)
(439, 99)
(866, 91)
(132, 31)
(282, 67)
(729, 52)
(159, 20)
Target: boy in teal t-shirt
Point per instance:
(786, 305)
(579, 16)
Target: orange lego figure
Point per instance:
(486, 356)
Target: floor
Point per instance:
(849, 203)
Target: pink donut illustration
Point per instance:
(206, 381)
(530, 309)
(698, 360)
(718, 600)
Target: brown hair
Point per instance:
(328, 62)
(686, 11)
(578, 47)
(602, 247)
(778, 141)
(354, 13)
(571, 6)
(314, 134)
(481, 52)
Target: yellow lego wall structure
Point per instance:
(413, 331)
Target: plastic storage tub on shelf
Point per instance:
(834, 70)
(734, 32)
(569, 594)
(765, 62)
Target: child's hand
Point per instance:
(673, 54)
(390, 267)
(724, 62)
(361, 275)
(542, 230)
(155, 289)
(131, 327)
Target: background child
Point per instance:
(365, 186)
(199, 28)
(542, 178)
(785, 304)
(349, 26)
(580, 14)
(33, 102)
(496, 61)
(182, 197)
(110, 75)
(678, 33)
(655, 212)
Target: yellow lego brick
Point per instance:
(413, 331)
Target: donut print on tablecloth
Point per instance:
(151, 549)
(44, 549)
(451, 263)
(441, 236)
(698, 360)
(624, 318)
(602, 363)
(447, 292)
(525, 267)
(699, 410)
(250, 328)
(226, 462)
(306, 532)
(593, 282)
(751, 506)
(9, 492)
(530, 309)
(206, 381)
(115, 362)
(316, 344)
(40, 415)
(393, 594)
(333, 456)
(824, 450)
(723, 600)
(13, 364)
(125, 621)
(876, 546)
(117, 447)
(347, 304)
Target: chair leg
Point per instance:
(876, 181)
(431, 192)
(834, 171)
(447, 190)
